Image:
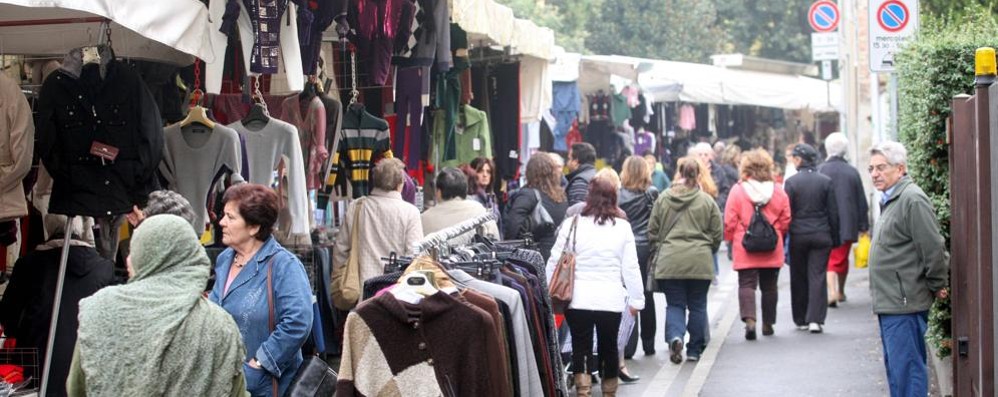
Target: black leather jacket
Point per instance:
(78, 107)
(638, 207)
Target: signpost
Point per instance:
(892, 23)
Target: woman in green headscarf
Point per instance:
(158, 335)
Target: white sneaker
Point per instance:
(802, 328)
(815, 328)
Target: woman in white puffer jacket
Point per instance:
(607, 278)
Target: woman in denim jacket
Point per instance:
(241, 289)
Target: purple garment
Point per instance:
(645, 142)
(311, 23)
(410, 86)
(409, 190)
(376, 24)
(265, 17)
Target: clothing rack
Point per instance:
(435, 240)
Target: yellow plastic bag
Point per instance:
(862, 251)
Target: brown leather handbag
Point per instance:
(563, 278)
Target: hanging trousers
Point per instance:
(607, 324)
(764, 279)
(808, 281)
(410, 86)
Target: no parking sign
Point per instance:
(823, 16)
(892, 23)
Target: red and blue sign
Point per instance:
(824, 16)
(893, 16)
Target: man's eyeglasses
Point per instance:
(879, 168)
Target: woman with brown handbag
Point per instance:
(603, 245)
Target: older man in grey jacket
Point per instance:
(909, 267)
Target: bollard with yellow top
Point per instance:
(985, 66)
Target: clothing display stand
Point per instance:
(59, 282)
(437, 239)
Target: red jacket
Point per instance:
(738, 214)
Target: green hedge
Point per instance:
(933, 68)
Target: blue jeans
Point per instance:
(903, 337)
(682, 296)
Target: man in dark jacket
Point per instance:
(582, 164)
(909, 269)
(814, 230)
(26, 309)
(853, 209)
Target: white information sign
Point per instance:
(824, 46)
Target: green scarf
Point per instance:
(157, 335)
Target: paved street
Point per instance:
(843, 361)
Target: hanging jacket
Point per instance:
(106, 103)
(472, 137)
(17, 138)
(638, 207)
(231, 17)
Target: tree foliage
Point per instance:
(775, 29)
(566, 17)
(956, 8)
(681, 30)
(692, 30)
(933, 68)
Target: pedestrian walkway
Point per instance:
(845, 360)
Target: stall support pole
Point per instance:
(60, 281)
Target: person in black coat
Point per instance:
(853, 212)
(582, 164)
(814, 230)
(543, 176)
(637, 199)
(26, 309)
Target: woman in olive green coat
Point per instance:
(686, 230)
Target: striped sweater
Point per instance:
(364, 140)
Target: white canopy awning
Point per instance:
(171, 31)
(486, 20)
(699, 83)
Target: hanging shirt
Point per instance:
(265, 148)
(645, 142)
(687, 118)
(619, 110)
(195, 158)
